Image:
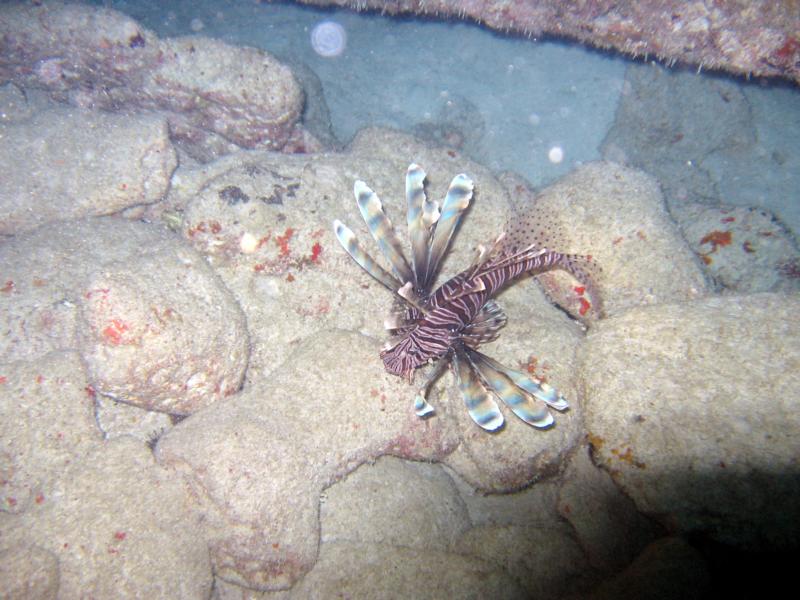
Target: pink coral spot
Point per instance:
(282, 241)
(316, 250)
(114, 331)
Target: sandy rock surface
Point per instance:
(46, 420)
(618, 215)
(67, 163)
(756, 38)
(212, 94)
(151, 321)
(744, 250)
(252, 278)
(692, 408)
(118, 526)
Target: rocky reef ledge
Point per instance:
(758, 38)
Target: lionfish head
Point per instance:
(403, 358)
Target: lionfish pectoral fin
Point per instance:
(539, 389)
(480, 405)
(350, 243)
(455, 203)
(421, 215)
(486, 325)
(421, 406)
(382, 230)
(528, 408)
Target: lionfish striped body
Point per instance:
(446, 326)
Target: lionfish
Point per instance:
(446, 326)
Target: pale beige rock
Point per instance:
(46, 420)
(617, 215)
(27, 571)
(212, 93)
(68, 163)
(744, 249)
(545, 559)
(118, 526)
(152, 322)
(605, 521)
(693, 409)
(257, 466)
(668, 568)
(374, 572)
(394, 503)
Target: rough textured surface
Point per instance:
(751, 38)
(46, 420)
(617, 215)
(105, 163)
(364, 507)
(257, 466)
(99, 58)
(117, 525)
(714, 381)
(605, 521)
(667, 569)
(152, 322)
(385, 572)
(744, 249)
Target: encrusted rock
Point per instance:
(117, 526)
(101, 58)
(744, 249)
(756, 38)
(693, 409)
(617, 215)
(46, 420)
(152, 322)
(64, 164)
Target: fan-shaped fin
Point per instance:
(455, 203)
(349, 242)
(382, 230)
(543, 391)
(486, 325)
(421, 406)
(531, 410)
(587, 271)
(480, 405)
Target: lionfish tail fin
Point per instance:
(457, 200)
(586, 270)
(480, 405)
(382, 230)
(350, 243)
(516, 391)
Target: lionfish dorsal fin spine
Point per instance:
(382, 230)
(455, 203)
(350, 243)
(421, 215)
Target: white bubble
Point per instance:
(328, 39)
(248, 244)
(534, 119)
(196, 24)
(555, 155)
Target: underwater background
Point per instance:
(193, 403)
